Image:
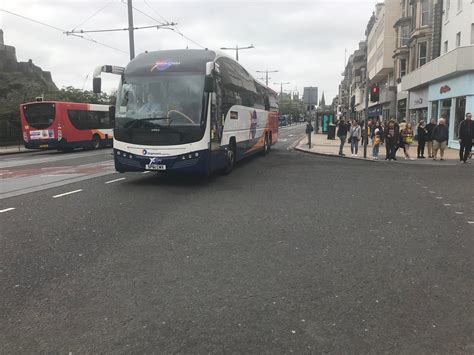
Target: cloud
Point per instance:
(303, 40)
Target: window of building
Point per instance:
(421, 54)
(445, 46)
(458, 39)
(472, 33)
(446, 12)
(459, 5)
(404, 35)
(403, 67)
(425, 13)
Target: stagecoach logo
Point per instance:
(253, 124)
(144, 152)
(162, 65)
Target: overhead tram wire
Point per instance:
(93, 15)
(63, 31)
(175, 28)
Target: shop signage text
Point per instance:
(444, 89)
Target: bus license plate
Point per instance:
(155, 167)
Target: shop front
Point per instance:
(376, 112)
(418, 106)
(451, 99)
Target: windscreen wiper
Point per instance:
(130, 124)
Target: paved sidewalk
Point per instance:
(323, 146)
(15, 149)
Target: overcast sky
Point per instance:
(304, 40)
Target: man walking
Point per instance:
(392, 134)
(429, 134)
(466, 137)
(440, 139)
(342, 134)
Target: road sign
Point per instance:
(310, 96)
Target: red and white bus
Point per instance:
(65, 125)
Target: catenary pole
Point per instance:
(130, 29)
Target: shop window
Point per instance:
(445, 111)
(422, 54)
(459, 113)
(434, 110)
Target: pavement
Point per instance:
(290, 253)
(322, 145)
(14, 149)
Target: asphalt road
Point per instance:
(290, 253)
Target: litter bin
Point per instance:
(332, 131)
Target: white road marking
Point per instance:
(439, 197)
(431, 192)
(447, 204)
(111, 181)
(470, 222)
(67, 193)
(7, 209)
(459, 212)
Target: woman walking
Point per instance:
(422, 137)
(407, 137)
(354, 138)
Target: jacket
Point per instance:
(342, 130)
(392, 136)
(429, 129)
(440, 133)
(355, 132)
(466, 131)
(422, 134)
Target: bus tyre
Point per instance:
(230, 158)
(95, 141)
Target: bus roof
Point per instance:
(179, 60)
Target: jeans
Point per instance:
(341, 146)
(375, 151)
(421, 149)
(354, 145)
(464, 150)
(391, 150)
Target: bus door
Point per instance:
(217, 125)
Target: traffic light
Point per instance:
(374, 93)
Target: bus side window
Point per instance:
(267, 103)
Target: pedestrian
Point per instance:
(363, 128)
(429, 137)
(422, 134)
(377, 140)
(466, 138)
(354, 138)
(342, 129)
(407, 139)
(440, 139)
(400, 138)
(391, 135)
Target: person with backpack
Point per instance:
(407, 138)
(377, 140)
(354, 138)
(466, 137)
(422, 134)
(440, 138)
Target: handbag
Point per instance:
(376, 140)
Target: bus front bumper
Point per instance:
(193, 162)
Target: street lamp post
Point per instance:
(266, 74)
(237, 48)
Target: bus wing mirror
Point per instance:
(96, 85)
(209, 83)
(112, 114)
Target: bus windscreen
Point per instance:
(40, 115)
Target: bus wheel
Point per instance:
(230, 158)
(95, 141)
